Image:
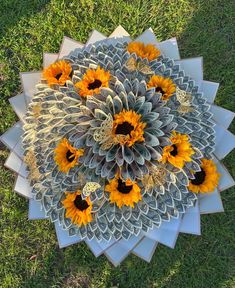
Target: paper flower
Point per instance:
(179, 152)
(92, 81)
(66, 156)
(58, 73)
(119, 143)
(148, 51)
(77, 209)
(205, 180)
(164, 86)
(123, 192)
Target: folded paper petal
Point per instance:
(19, 105)
(145, 249)
(147, 37)
(68, 45)
(225, 142)
(190, 223)
(13, 162)
(222, 116)
(22, 187)
(63, 238)
(49, 58)
(12, 136)
(209, 90)
(95, 36)
(170, 49)
(192, 67)
(36, 211)
(210, 203)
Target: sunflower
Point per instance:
(162, 85)
(58, 73)
(205, 180)
(77, 209)
(123, 192)
(92, 81)
(179, 152)
(148, 51)
(127, 127)
(66, 156)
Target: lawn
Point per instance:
(30, 27)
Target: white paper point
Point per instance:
(119, 32)
(145, 249)
(192, 67)
(132, 242)
(210, 203)
(13, 162)
(19, 105)
(226, 181)
(173, 224)
(225, 141)
(68, 45)
(18, 149)
(49, 58)
(169, 48)
(222, 116)
(35, 210)
(23, 170)
(148, 37)
(191, 221)
(95, 37)
(165, 237)
(209, 90)
(105, 245)
(17, 165)
(22, 187)
(29, 80)
(63, 237)
(94, 247)
(12, 136)
(116, 254)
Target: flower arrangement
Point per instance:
(119, 145)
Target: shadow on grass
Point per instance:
(14, 10)
(11, 13)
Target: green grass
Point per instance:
(27, 28)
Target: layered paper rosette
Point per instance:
(119, 144)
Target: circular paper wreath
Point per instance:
(119, 145)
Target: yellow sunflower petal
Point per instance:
(119, 196)
(57, 73)
(128, 121)
(207, 179)
(92, 81)
(79, 216)
(163, 85)
(179, 152)
(66, 156)
(148, 51)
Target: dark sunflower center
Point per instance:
(80, 204)
(199, 177)
(58, 76)
(96, 84)
(159, 90)
(70, 156)
(125, 128)
(174, 152)
(123, 188)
